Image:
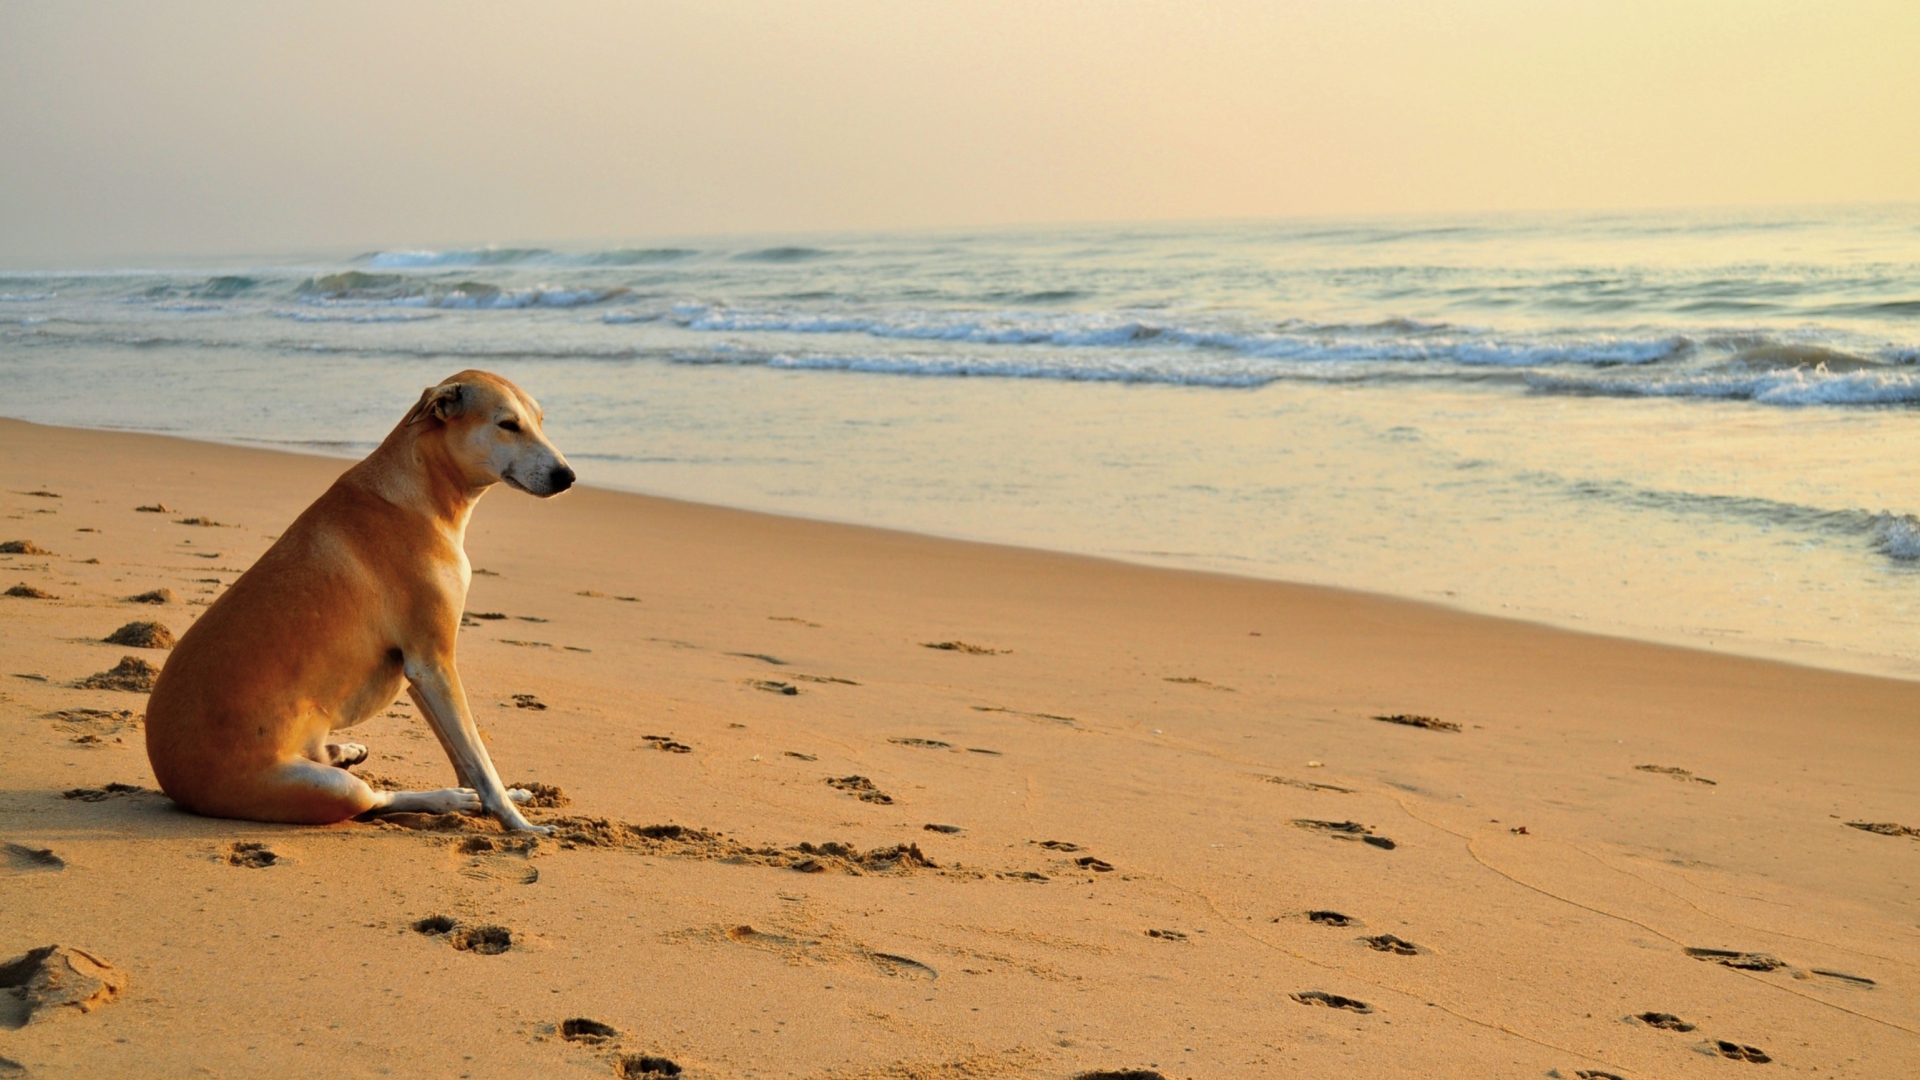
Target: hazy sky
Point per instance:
(251, 127)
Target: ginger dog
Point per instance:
(363, 592)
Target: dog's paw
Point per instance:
(346, 755)
(519, 794)
(454, 800)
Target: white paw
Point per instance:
(519, 794)
(455, 800)
(346, 754)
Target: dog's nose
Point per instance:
(560, 479)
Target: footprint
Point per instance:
(255, 855)
(54, 977)
(1390, 944)
(100, 794)
(861, 788)
(633, 1066)
(792, 619)
(760, 656)
(1428, 722)
(1663, 1021)
(900, 966)
(1098, 866)
(1676, 773)
(490, 616)
(1346, 830)
(1331, 1001)
(1167, 935)
(828, 951)
(1738, 1052)
(662, 742)
(963, 647)
(1306, 784)
(1745, 961)
(1332, 918)
(433, 924)
(1884, 828)
(1024, 875)
(22, 859)
(773, 686)
(930, 744)
(1120, 1074)
(1055, 717)
(1192, 681)
(592, 1032)
(27, 592)
(528, 701)
(485, 940)
(948, 829)
(823, 679)
(1059, 845)
(801, 756)
(1596, 1074)
(152, 596)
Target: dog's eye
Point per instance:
(510, 425)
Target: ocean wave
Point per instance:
(1392, 339)
(351, 316)
(24, 298)
(785, 254)
(1788, 386)
(357, 287)
(407, 260)
(1897, 536)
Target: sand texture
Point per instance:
(1172, 834)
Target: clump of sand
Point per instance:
(131, 674)
(143, 635)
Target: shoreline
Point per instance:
(1150, 785)
(1730, 643)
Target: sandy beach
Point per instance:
(842, 802)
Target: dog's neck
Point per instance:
(415, 469)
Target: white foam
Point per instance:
(1897, 535)
(1791, 386)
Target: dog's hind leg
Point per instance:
(302, 791)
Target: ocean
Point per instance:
(1686, 427)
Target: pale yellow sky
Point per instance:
(267, 127)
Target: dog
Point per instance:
(363, 593)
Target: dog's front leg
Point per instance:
(435, 687)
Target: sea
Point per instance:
(1690, 427)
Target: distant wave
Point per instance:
(351, 316)
(356, 287)
(1384, 340)
(405, 260)
(24, 298)
(782, 255)
(458, 258)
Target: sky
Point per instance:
(253, 127)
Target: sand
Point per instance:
(1126, 763)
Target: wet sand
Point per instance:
(1147, 782)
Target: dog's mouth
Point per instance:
(514, 482)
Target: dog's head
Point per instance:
(492, 431)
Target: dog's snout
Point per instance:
(560, 479)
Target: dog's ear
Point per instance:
(442, 403)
